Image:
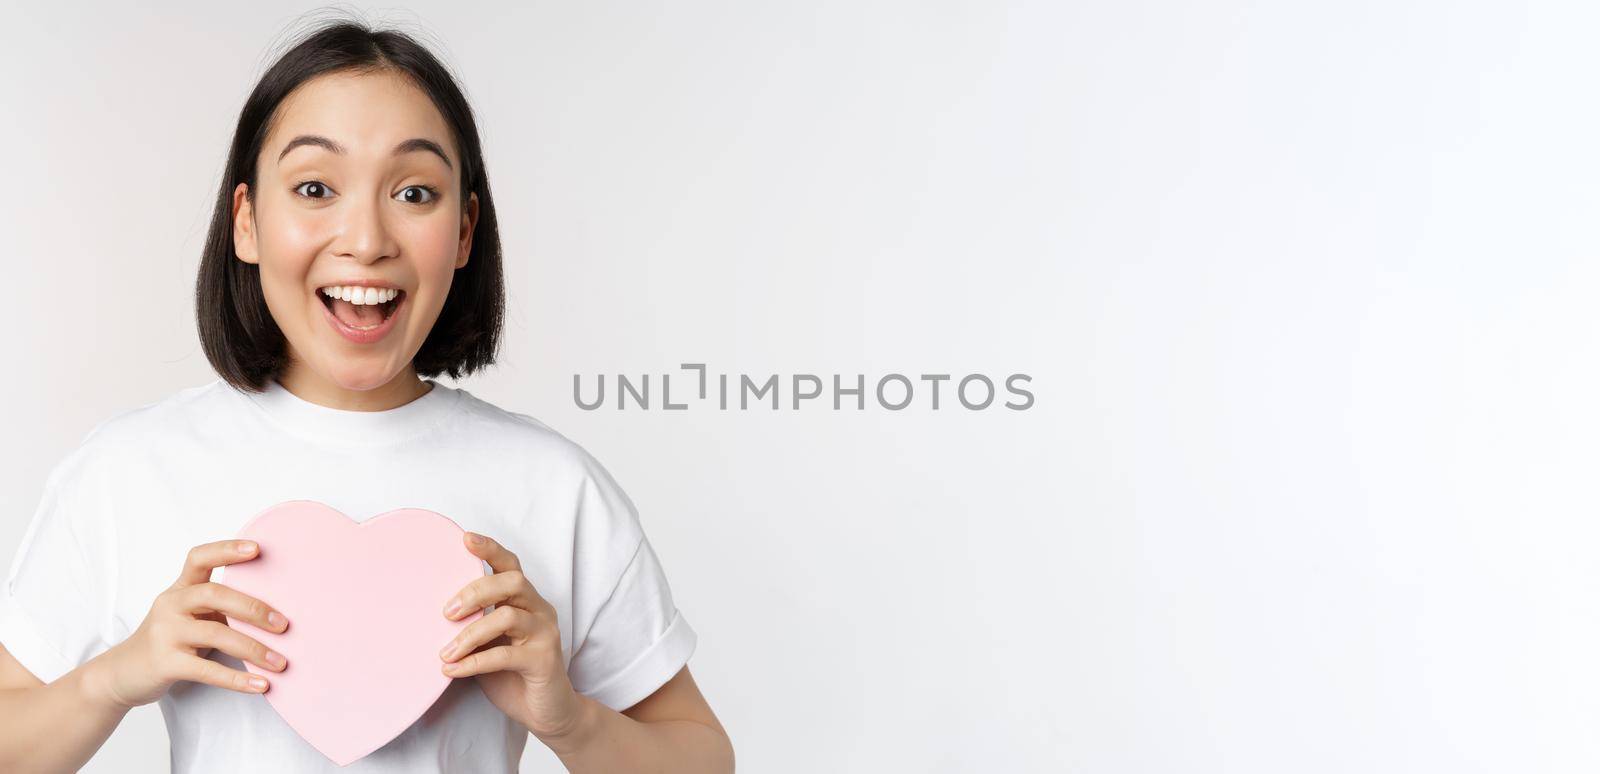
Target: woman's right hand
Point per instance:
(185, 622)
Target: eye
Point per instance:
(432, 193)
(320, 187)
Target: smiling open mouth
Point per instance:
(361, 308)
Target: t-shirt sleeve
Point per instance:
(55, 603)
(629, 637)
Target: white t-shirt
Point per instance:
(120, 512)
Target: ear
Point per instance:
(469, 222)
(244, 225)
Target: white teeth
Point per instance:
(361, 295)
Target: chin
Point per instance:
(359, 378)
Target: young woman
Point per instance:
(353, 254)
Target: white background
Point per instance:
(1307, 290)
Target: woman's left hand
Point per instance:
(520, 667)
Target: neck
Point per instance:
(311, 386)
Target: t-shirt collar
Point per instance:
(343, 427)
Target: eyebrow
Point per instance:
(409, 146)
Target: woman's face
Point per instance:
(358, 183)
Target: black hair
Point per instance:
(237, 332)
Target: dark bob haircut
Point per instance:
(237, 332)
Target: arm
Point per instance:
(52, 727)
(58, 726)
(672, 730)
(520, 669)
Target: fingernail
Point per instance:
(476, 538)
(450, 611)
(275, 659)
(258, 683)
(245, 548)
(448, 649)
(277, 620)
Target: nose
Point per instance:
(364, 235)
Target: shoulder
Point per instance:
(565, 483)
(532, 443)
(553, 471)
(136, 423)
(129, 434)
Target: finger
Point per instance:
(495, 659)
(237, 644)
(201, 670)
(235, 604)
(512, 622)
(202, 559)
(502, 588)
(498, 557)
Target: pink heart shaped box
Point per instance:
(365, 604)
